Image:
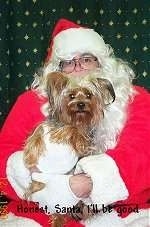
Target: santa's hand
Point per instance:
(81, 185)
(108, 186)
(56, 193)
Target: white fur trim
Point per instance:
(17, 174)
(77, 40)
(15, 221)
(104, 220)
(141, 219)
(56, 191)
(108, 186)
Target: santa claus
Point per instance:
(118, 175)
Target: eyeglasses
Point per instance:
(85, 62)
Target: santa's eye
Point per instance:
(71, 96)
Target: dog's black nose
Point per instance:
(80, 105)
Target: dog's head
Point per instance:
(78, 101)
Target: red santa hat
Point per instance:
(69, 39)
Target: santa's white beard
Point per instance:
(115, 114)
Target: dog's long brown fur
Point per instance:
(33, 149)
(65, 125)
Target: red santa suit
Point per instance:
(121, 174)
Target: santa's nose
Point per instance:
(77, 67)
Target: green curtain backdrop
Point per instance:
(26, 25)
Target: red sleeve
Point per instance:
(132, 153)
(22, 119)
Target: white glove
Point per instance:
(56, 194)
(17, 174)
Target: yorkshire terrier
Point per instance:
(76, 106)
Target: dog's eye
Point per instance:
(88, 95)
(71, 96)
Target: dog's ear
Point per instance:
(106, 89)
(56, 82)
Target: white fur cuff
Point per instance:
(17, 174)
(108, 186)
(15, 221)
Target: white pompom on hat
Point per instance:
(69, 39)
